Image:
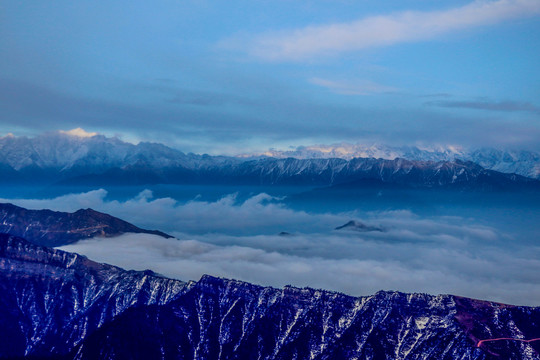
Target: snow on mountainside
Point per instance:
(70, 150)
(399, 172)
(526, 163)
(50, 300)
(67, 154)
(59, 305)
(350, 151)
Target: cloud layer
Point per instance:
(240, 239)
(367, 267)
(386, 30)
(260, 214)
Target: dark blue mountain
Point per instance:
(50, 300)
(57, 305)
(55, 228)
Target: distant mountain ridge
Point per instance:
(55, 228)
(526, 163)
(58, 305)
(68, 153)
(98, 160)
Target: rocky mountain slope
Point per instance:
(319, 172)
(51, 300)
(61, 305)
(224, 319)
(56, 156)
(98, 160)
(55, 228)
(526, 163)
(70, 153)
(416, 174)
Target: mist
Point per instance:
(347, 263)
(262, 240)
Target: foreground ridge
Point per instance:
(56, 228)
(84, 310)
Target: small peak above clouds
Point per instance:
(359, 226)
(79, 132)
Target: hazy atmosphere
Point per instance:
(270, 179)
(237, 76)
(241, 239)
(274, 77)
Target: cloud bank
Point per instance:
(377, 31)
(240, 240)
(259, 214)
(369, 266)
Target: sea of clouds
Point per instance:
(241, 240)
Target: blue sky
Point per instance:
(237, 76)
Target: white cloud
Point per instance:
(370, 266)
(69, 202)
(239, 239)
(386, 30)
(259, 214)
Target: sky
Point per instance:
(237, 76)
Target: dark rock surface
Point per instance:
(50, 300)
(55, 228)
(455, 175)
(358, 226)
(60, 305)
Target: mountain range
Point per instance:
(61, 155)
(526, 163)
(59, 305)
(66, 158)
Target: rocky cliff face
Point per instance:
(55, 228)
(323, 172)
(223, 319)
(526, 163)
(413, 174)
(51, 300)
(60, 305)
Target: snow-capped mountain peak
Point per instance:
(78, 152)
(526, 163)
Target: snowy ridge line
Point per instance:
(522, 162)
(78, 152)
